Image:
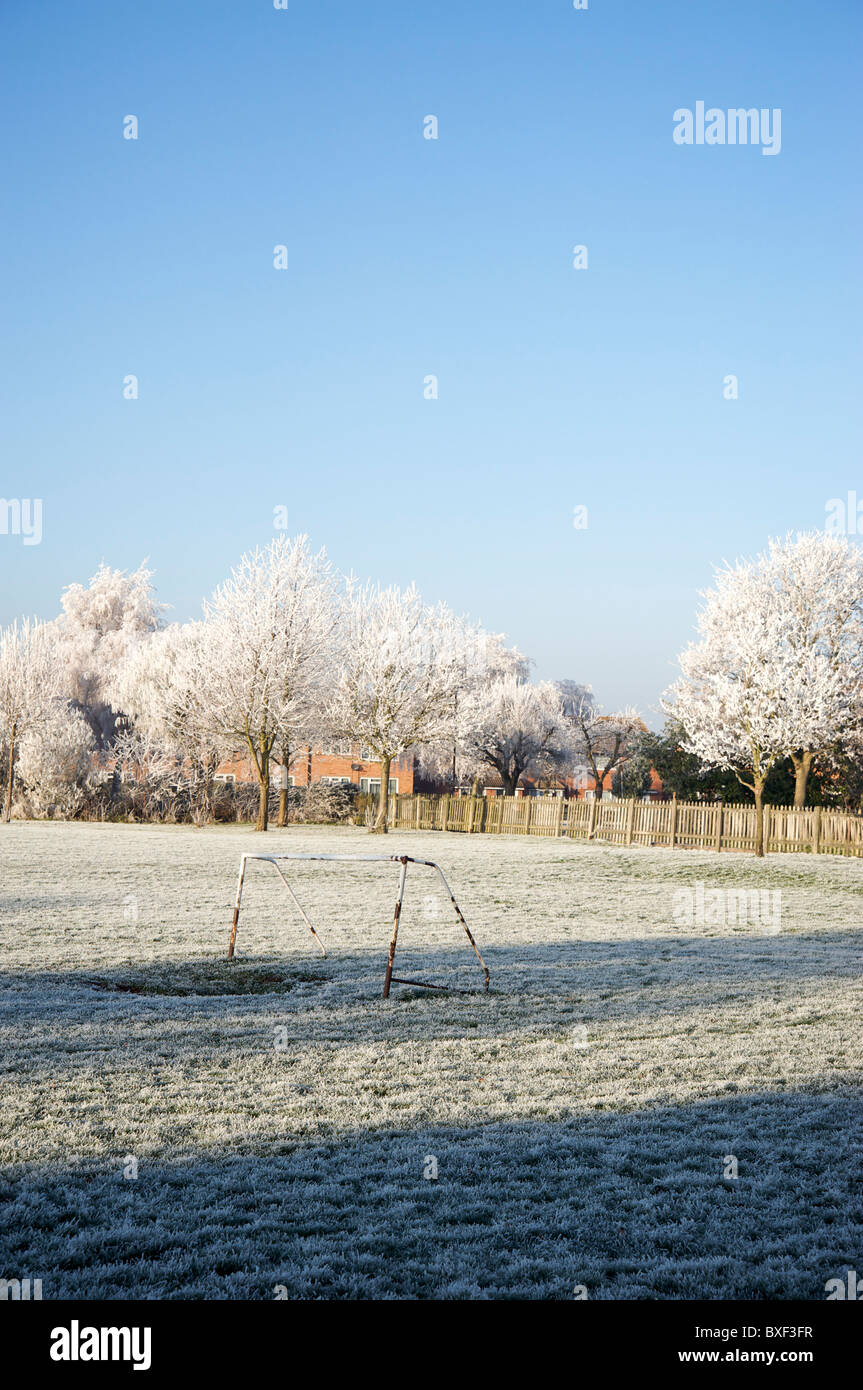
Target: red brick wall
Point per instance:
(324, 765)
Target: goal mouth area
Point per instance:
(404, 860)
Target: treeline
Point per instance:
(110, 710)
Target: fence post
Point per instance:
(558, 820)
(528, 814)
(591, 823)
(630, 818)
(673, 820)
(816, 832)
(719, 814)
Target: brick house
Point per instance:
(348, 761)
(583, 786)
(334, 762)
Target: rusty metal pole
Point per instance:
(396, 915)
(233, 940)
(460, 916)
(300, 908)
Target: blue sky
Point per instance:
(303, 388)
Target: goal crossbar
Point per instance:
(403, 860)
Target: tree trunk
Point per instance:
(208, 768)
(510, 782)
(380, 825)
(598, 791)
(802, 761)
(263, 798)
(264, 785)
(283, 791)
(474, 787)
(7, 811)
(759, 820)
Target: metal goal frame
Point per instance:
(404, 860)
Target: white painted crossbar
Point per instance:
(403, 859)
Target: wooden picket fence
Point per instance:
(668, 824)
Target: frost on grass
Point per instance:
(281, 1117)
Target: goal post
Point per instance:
(404, 860)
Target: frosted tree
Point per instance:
(55, 761)
(166, 731)
(261, 672)
(99, 627)
(731, 697)
(491, 661)
(482, 658)
(397, 676)
(512, 726)
(602, 741)
(31, 682)
(777, 671)
(813, 582)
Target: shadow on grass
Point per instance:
(668, 974)
(630, 1206)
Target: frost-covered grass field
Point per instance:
(581, 1114)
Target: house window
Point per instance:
(224, 777)
(371, 786)
(368, 755)
(339, 748)
(332, 781)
